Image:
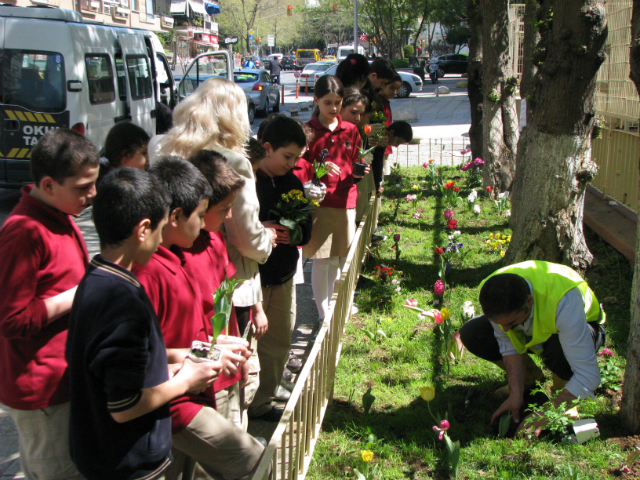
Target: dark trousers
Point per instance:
(478, 337)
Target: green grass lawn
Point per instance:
(399, 427)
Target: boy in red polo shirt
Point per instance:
(43, 259)
(208, 263)
(199, 432)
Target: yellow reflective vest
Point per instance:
(550, 281)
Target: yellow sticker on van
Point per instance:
(29, 117)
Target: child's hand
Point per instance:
(230, 361)
(231, 340)
(271, 228)
(261, 323)
(315, 192)
(283, 235)
(198, 376)
(384, 141)
(333, 168)
(373, 141)
(367, 169)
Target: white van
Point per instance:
(345, 50)
(58, 71)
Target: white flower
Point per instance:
(503, 195)
(398, 185)
(507, 213)
(395, 281)
(456, 233)
(472, 196)
(398, 289)
(450, 237)
(467, 309)
(476, 209)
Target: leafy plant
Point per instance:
(609, 372)
(222, 305)
(292, 211)
(374, 336)
(557, 419)
(319, 167)
(502, 203)
(503, 426)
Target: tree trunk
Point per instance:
(630, 407)
(554, 154)
(529, 42)
(474, 82)
(499, 117)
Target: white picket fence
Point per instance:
(444, 151)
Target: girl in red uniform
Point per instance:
(334, 221)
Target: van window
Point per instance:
(34, 80)
(139, 77)
(100, 75)
(307, 54)
(122, 78)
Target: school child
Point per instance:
(284, 140)
(125, 146)
(353, 71)
(354, 106)
(387, 94)
(398, 133)
(43, 259)
(120, 425)
(200, 433)
(334, 221)
(208, 263)
(256, 152)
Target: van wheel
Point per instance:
(276, 107)
(252, 114)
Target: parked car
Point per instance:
(452, 63)
(276, 56)
(194, 83)
(257, 84)
(308, 75)
(289, 62)
(265, 63)
(410, 82)
(330, 58)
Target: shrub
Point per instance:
(408, 50)
(400, 63)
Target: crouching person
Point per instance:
(545, 309)
(121, 383)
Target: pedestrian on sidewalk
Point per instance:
(43, 259)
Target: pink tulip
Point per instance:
(448, 214)
(444, 426)
(464, 168)
(478, 162)
(438, 287)
(416, 215)
(425, 165)
(606, 353)
(411, 302)
(437, 316)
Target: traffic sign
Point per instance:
(296, 74)
(271, 40)
(250, 37)
(251, 31)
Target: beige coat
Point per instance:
(248, 242)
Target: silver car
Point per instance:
(312, 71)
(257, 84)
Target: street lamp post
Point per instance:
(355, 26)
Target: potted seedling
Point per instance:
(314, 188)
(222, 305)
(360, 166)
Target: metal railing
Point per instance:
(444, 151)
(290, 449)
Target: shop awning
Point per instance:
(212, 8)
(178, 7)
(197, 6)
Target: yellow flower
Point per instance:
(502, 252)
(367, 455)
(428, 393)
(491, 235)
(497, 235)
(509, 238)
(445, 314)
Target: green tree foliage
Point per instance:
(392, 21)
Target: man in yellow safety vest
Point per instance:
(542, 308)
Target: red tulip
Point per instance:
(489, 189)
(367, 129)
(456, 189)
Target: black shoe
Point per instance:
(294, 364)
(282, 394)
(287, 375)
(262, 441)
(273, 415)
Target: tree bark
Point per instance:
(499, 117)
(529, 42)
(554, 154)
(474, 80)
(630, 406)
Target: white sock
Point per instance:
(324, 273)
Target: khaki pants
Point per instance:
(228, 404)
(220, 448)
(253, 382)
(44, 443)
(273, 348)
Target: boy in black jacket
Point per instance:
(284, 140)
